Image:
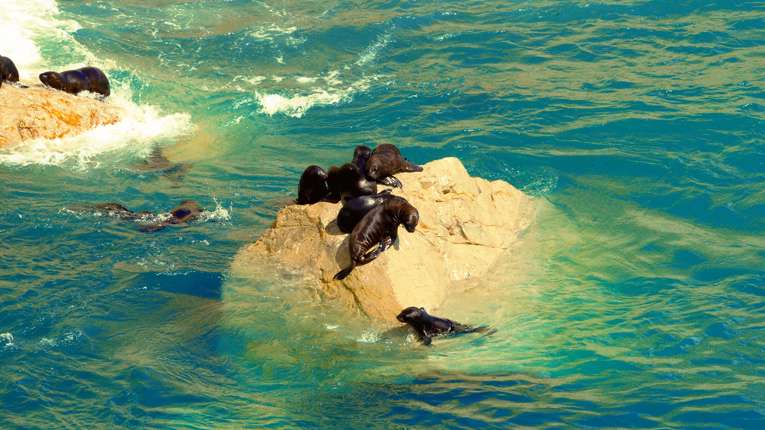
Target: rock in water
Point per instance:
(466, 224)
(38, 112)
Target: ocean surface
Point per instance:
(637, 298)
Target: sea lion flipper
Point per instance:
(426, 339)
(368, 257)
(391, 181)
(339, 276)
(408, 166)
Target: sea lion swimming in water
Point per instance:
(185, 212)
(8, 70)
(379, 227)
(386, 161)
(75, 81)
(427, 326)
(347, 180)
(354, 209)
(313, 186)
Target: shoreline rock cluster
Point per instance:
(466, 224)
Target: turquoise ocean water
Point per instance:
(637, 299)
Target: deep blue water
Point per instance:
(637, 298)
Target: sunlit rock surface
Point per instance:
(39, 112)
(466, 224)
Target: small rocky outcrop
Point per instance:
(466, 224)
(39, 112)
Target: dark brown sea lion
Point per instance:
(354, 209)
(185, 212)
(8, 70)
(360, 156)
(386, 161)
(75, 81)
(427, 326)
(313, 186)
(379, 227)
(347, 180)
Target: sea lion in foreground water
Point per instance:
(386, 161)
(348, 180)
(427, 326)
(187, 211)
(75, 81)
(354, 209)
(8, 70)
(313, 186)
(379, 228)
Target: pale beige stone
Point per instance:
(39, 112)
(466, 225)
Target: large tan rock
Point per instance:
(466, 224)
(39, 112)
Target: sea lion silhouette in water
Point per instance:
(185, 212)
(313, 186)
(8, 70)
(386, 161)
(428, 326)
(379, 227)
(75, 81)
(354, 209)
(348, 180)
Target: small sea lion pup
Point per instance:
(379, 227)
(347, 180)
(8, 70)
(75, 81)
(354, 209)
(313, 186)
(427, 326)
(386, 161)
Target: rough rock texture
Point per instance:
(39, 112)
(466, 224)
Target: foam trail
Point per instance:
(296, 106)
(24, 25)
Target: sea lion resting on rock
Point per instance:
(313, 186)
(386, 161)
(354, 209)
(75, 81)
(187, 211)
(348, 180)
(379, 227)
(427, 326)
(8, 70)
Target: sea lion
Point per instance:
(354, 209)
(185, 212)
(313, 186)
(360, 157)
(427, 326)
(8, 70)
(386, 161)
(379, 227)
(347, 180)
(75, 81)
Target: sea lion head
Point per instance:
(411, 314)
(375, 168)
(409, 217)
(52, 79)
(360, 156)
(186, 210)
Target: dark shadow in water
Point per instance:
(208, 285)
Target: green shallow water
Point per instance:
(634, 300)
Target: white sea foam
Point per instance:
(297, 105)
(25, 24)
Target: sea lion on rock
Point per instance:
(8, 70)
(379, 227)
(360, 157)
(313, 186)
(347, 180)
(75, 81)
(427, 326)
(386, 161)
(354, 209)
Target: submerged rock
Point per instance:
(466, 224)
(39, 112)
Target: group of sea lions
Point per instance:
(71, 81)
(372, 218)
